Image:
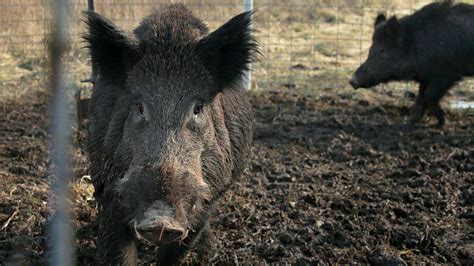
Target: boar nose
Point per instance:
(354, 82)
(160, 234)
(159, 225)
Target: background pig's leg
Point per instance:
(419, 107)
(438, 112)
(436, 90)
(116, 243)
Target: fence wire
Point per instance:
(306, 44)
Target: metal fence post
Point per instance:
(91, 79)
(60, 230)
(90, 5)
(247, 79)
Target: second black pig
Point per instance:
(434, 46)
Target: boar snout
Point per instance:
(159, 225)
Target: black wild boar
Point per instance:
(170, 129)
(434, 46)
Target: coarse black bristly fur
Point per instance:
(170, 129)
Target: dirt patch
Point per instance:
(333, 178)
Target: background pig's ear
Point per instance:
(394, 28)
(379, 19)
(228, 51)
(112, 50)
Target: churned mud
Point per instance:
(333, 178)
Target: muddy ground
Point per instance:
(334, 177)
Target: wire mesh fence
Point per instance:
(306, 44)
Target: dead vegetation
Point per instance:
(306, 44)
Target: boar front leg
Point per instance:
(206, 247)
(171, 254)
(202, 241)
(116, 243)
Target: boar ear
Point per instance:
(112, 50)
(379, 19)
(228, 51)
(394, 28)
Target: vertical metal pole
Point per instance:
(90, 5)
(247, 79)
(338, 22)
(60, 230)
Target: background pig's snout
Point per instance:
(159, 225)
(354, 82)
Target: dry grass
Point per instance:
(306, 44)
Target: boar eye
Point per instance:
(140, 108)
(197, 109)
(381, 51)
